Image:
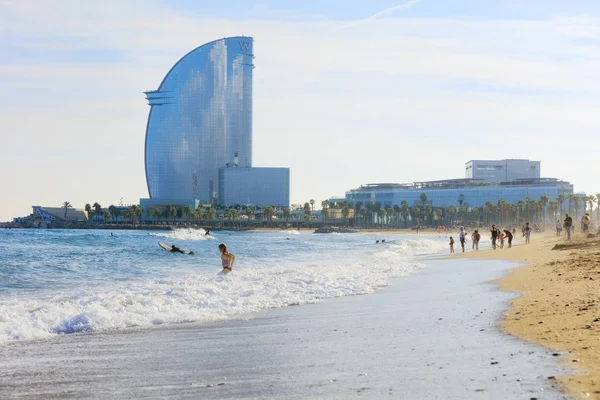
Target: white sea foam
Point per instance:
(202, 298)
(185, 234)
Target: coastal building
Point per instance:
(53, 215)
(200, 122)
(485, 182)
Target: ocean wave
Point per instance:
(205, 297)
(185, 234)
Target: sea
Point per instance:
(60, 282)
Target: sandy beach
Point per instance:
(560, 303)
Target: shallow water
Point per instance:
(60, 281)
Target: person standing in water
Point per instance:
(227, 259)
(462, 237)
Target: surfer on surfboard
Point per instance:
(227, 259)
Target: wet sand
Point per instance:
(560, 305)
(432, 335)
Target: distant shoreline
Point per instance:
(154, 227)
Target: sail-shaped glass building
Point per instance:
(200, 120)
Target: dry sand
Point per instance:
(560, 305)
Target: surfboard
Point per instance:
(168, 248)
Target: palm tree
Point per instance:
(405, 211)
(543, 203)
(249, 212)
(440, 212)
(171, 212)
(576, 200)
(452, 213)
(346, 213)
(66, 205)
(475, 213)
(88, 209)
(307, 211)
(211, 213)
(489, 211)
(107, 216)
(287, 213)
(561, 200)
(462, 211)
(157, 214)
(187, 212)
(269, 211)
(381, 216)
(325, 208)
(97, 210)
(429, 213)
(312, 205)
(138, 212)
(112, 210)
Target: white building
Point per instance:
(497, 171)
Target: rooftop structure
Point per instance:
(502, 170)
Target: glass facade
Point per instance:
(200, 120)
(502, 170)
(256, 186)
(473, 196)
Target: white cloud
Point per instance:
(382, 13)
(396, 100)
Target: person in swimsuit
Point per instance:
(451, 245)
(227, 258)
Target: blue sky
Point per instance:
(346, 92)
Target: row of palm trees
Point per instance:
(541, 211)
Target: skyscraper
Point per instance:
(200, 121)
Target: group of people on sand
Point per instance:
(498, 237)
(567, 224)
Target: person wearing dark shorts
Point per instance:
(494, 232)
(509, 236)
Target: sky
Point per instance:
(345, 92)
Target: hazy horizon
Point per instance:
(345, 93)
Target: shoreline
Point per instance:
(401, 342)
(558, 305)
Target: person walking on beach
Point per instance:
(501, 239)
(509, 237)
(475, 238)
(451, 245)
(558, 227)
(462, 238)
(527, 232)
(568, 224)
(227, 259)
(494, 232)
(585, 223)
